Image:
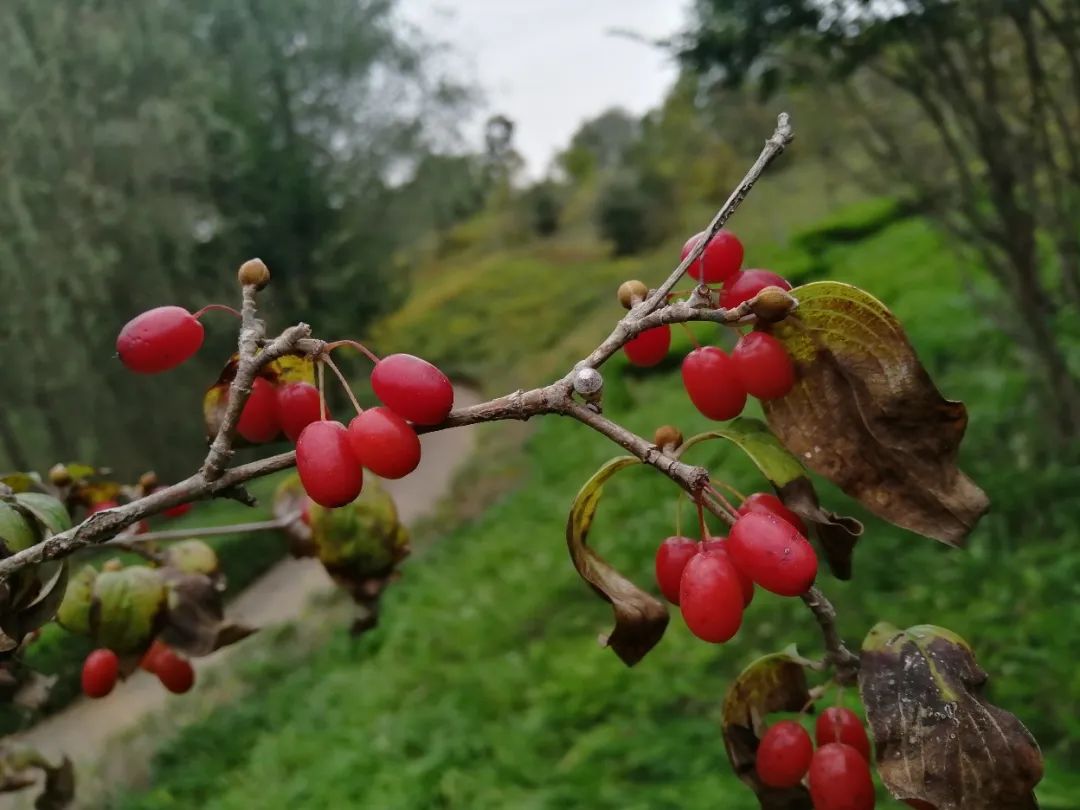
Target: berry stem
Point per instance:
(374, 358)
(690, 334)
(322, 390)
(678, 514)
(133, 543)
(220, 307)
(732, 490)
(702, 528)
(344, 384)
(723, 501)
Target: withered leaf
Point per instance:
(938, 740)
(774, 683)
(640, 619)
(16, 621)
(59, 787)
(865, 414)
(195, 617)
(290, 500)
(289, 368)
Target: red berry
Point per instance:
(179, 510)
(840, 779)
(328, 469)
(175, 673)
(719, 545)
(767, 502)
(305, 513)
(259, 421)
(745, 285)
(784, 755)
(298, 406)
(101, 506)
(413, 388)
(384, 443)
(837, 724)
(711, 597)
(159, 339)
(671, 558)
(763, 365)
(772, 553)
(99, 673)
(709, 378)
(720, 260)
(649, 347)
(150, 657)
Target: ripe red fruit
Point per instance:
(259, 421)
(767, 502)
(837, 724)
(772, 553)
(178, 510)
(101, 506)
(784, 754)
(413, 388)
(719, 545)
(99, 673)
(709, 378)
(159, 339)
(328, 469)
(710, 597)
(671, 558)
(649, 347)
(175, 673)
(298, 407)
(720, 260)
(763, 365)
(384, 443)
(150, 657)
(745, 285)
(840, 779)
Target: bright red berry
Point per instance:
(649, 347)
(720, 260)
(748, 283)
(159, 339)
(763, 365)
(671, 558)
(150, 657)
(298, 406)
(384, 443)
(710, 597)
(328, 469)
(179, 510)
(772, 553)
(784, 754)
(840, 779)
(837, 724)
(767, 502)
(259, 421)
(709, 378)
(413, 388)
(99, 673)
(175, 672)
(719, 545)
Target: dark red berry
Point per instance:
(179, 510)
(298, 406)
(784, 754)
(719, 545)
(710, 597)
(840, 779)
(384, 443)
(159, 339)
(709, 378)
(837, 724)
(175, 673)
(748, 283)
(763, 365)
(259, 421)
(99, 673)
(671, 558)
(328, 469)
(413, 388)
(720, 260)
(772, 553)
(150, 657)
(101, 506)
(649, 347)
(767, 502)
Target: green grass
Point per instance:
(483, 687)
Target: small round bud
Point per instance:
(59, 475)
(667, 436)
(253, 271)
(772, 304)
(147, 481)
(630, 292)
(113, 565)
(588, 382)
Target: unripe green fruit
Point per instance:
(16, 531)
(193, 557)
(74, 612)
(126, 607)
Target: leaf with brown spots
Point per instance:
(938, 740)
(195, 621)
(865, 414)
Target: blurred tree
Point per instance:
(600, 144)
(543, 206)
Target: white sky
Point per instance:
(550, 64)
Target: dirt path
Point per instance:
(83, 730)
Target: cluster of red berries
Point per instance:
(102, 669)
(713, 581)
(838, 772)
(717, 382)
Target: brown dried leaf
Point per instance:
(865, 414)
(289, 500)
(937, 738)
(59, 787)
(290, 368)
(195, 620)
(640, 619)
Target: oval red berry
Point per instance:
(710, 597)
(650, 347)
(767, 502)
(259, 421)
(720, 260)
(719, 545)
(384, 443)
(298, 406)
(709, 378)
(745, 285)
(763, 365)
(99, 673)
(328, 470)
(837, 724)
(840, 779)
(671, 559)
(159, 339)
(784, 754)
(175, 673)
(413, 388)
(772, 553)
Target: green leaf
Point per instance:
(17, 623)
(640, 619)
(48, 510)
(755, 439)
(21, 481)
(16, 531)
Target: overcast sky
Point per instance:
(550, 64)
